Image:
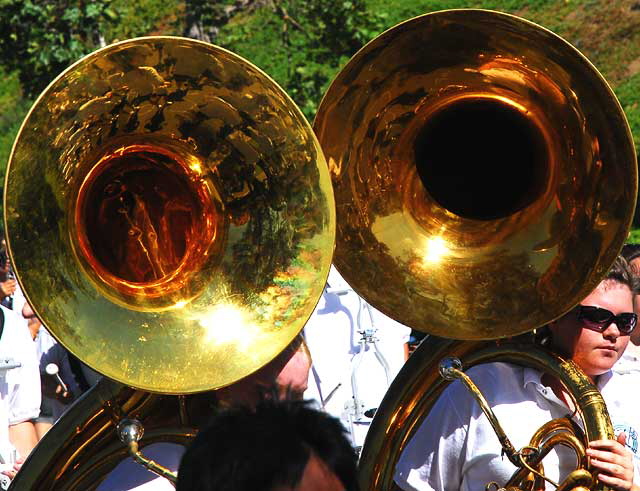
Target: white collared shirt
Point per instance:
(455, 448)
(19, 387)
(332, 337)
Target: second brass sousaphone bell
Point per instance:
(483, 170)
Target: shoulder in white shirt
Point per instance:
(629, 361)
(455, 448)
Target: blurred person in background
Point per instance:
(8, 282)
(58, 392)
(356, 352)
(19, 389)
(630, 361)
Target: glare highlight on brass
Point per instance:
(435, 250)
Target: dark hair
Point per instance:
(622, 273)
(259, 449)
(630, 252)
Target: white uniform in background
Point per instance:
(49, 351)
(334, 340)
(19, 387)
(18, 300)
(629, 362)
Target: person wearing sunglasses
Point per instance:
(455, 447)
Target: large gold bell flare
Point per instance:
(170, 214)
(484, 173)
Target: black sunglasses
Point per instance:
(598, 319)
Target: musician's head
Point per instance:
(277, 446)
(596, 332)
(288, 373)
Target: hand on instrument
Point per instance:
(51, 388)
(613, 462)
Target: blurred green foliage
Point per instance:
(14, 108)
(144, 18)
(41, 38)
(628, 93)
(634, 236)
(303, 45)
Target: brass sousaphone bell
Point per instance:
(485, 180)
(171, 220)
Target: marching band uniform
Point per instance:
(50, 351)
(20, 386)
(455, 448)
(334, 340)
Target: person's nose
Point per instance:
(612, 332)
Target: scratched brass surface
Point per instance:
(170, 214)
(429, 127)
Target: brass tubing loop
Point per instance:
(418, 385)
(82, 448)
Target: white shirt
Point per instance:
(455, 448)
(19, 387)
(333, 339)
(18, 300)
(629, 361)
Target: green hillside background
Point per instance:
(301, 44)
